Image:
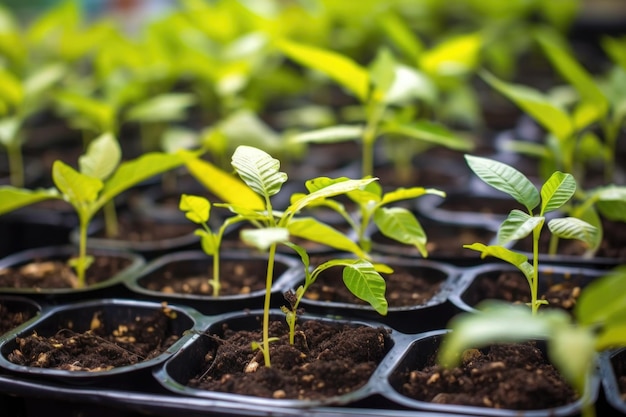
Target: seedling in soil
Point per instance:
(555, 192)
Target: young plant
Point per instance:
(262, 174)
(555, 192)
(99, 179)
(573, 344)
(397, 223)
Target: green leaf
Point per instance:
(516, 259)
(102, 157)
(400, 224)
(263, 238)
(338, 188)
(556, 191)
(196, 208)
(611, 337)
(87, 112)
(536, 105)
(227, 187)
(572, 350)
(454, 57)
(333, 134)
(11, 89)
(408, 193)
(208, 242)
(611, 202)
(311, 229)
(258, 170)
(382, 73)
(362, 279)
(168, 107)
(401, 35)
(131, 173)
(505, 178)
(517, 226)
(602, 298)
(79, 189)
(12, 198)
(429, 132)
(42, 80)
(573, 228)
(340, 68)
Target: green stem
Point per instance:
(535, 278)
(266, 305)
(111, 225)
(216, 273)
(554, 245)
(81, 265)
(369, 138)
(16, 165)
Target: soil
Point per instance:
(511, 286)
(325, 360)
(96, 349)
(49, 274)
(10, 318)
(405, 287)
(509, 376)
(238, 277)
(133, 229)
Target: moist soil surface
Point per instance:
(11, 317)
(509, 376)
(133, 229)
(49, 274)
(326, 359)
(96, 349)
(405, 288)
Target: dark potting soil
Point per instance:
(10, 318)
(404, 288)
(511, 286)
(511, 376)
(96, 349)
(146, 230)
(58, 274)
(236, 278)
(326, 359)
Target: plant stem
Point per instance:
(81, 265)
(535, 278)
(110, 219)
(266, 304)
(369, 138)
(216, 273)
(16, 164)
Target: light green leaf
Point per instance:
(612, 337)
(227, 187)
(517, 226)
(9, 130)
(263, 238)
(362, 279)
(12, 198)
(382, 73)
(131, 173)
(506, 179)
(453, 57)
(316, 184)
(602, 298)
(400, 224)
(163, 108)
(311, 229)
(79, 189)
(516, 259)
(258, 170)
(196, 208)
(556, 191)
(401, 35)
(536, 105)
(333, 134)
(208, 242)
(87, 112)
(572, 350)
(11, 89)
(430, 132)
(338, 188)
(42, 80)
(340, 68)
(611, 202)
(573, 228)
(408, 193)
(102, 157)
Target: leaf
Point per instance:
(79, 189)
(455, 56)
(263, 238)
(430, 132)
(11, 89)
(382, 73)
(408, 193)
(516, 259)
(167, 107)
(333, 134)
(87, 112)
(573, 228)
(536, 105)
(227, 187)
(505, 178)
(602, 298)
(102, 157)
(611, 337)
(311, 229)
(611, 202)
(362, 279)
(572, 350)
(517, 226)
(12, 198)
(401, 225)
(42, 80)
(338, 188)
(556, 191)
(401, 35)
(340, 68)
(131, 173)
(258, 170)
(208, 242)
(196, 208)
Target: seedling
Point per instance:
(397, 223)
(262, 174)
(573, 344)
(98, 180)
(555, 192)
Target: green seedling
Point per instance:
(99, 179)
(262, 174)
(397, 223)
(573, 343)
(555, 192)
